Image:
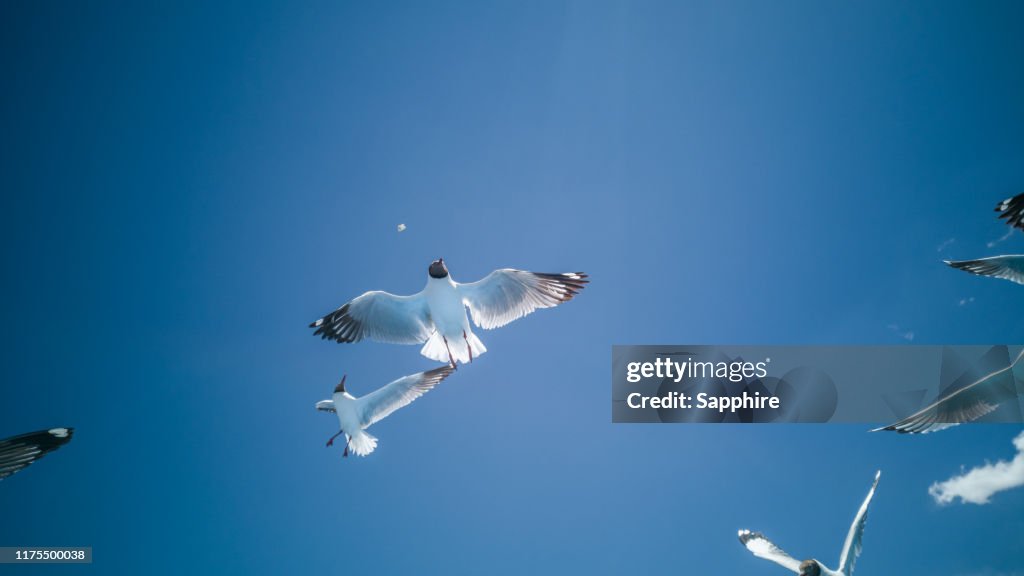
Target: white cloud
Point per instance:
(966, 301)
(979, 484)
(945, 243)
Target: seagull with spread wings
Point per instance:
(763, 548)
(437, 314)
(18, 452)
(962, 405)
(1008, 266)
(357, 414)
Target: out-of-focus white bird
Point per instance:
(763, 548)
(437, 314)
(963, 404)
(357, 414)
(17, 452)
(401, 227)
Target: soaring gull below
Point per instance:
(355, 415)
(763, 548)
(437, 314)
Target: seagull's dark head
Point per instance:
(438, 269)
(810, 568)
(341, 385)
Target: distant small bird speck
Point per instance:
(401, 227)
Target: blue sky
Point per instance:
(188, 186)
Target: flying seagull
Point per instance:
(763, 548)
(17, 452)
(1010, 266)
(437, 314)
(357, 414)
(963, 404)
(1013, 210)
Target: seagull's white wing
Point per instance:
(1009, 267)
(379, 316)
(1013, 210)
(854, 540)
(963, 405)
(17, 452)
(506, 295)
(378, 404)
(763, 548)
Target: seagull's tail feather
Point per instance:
(435, 348)
(474, 343)
(362, 443)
